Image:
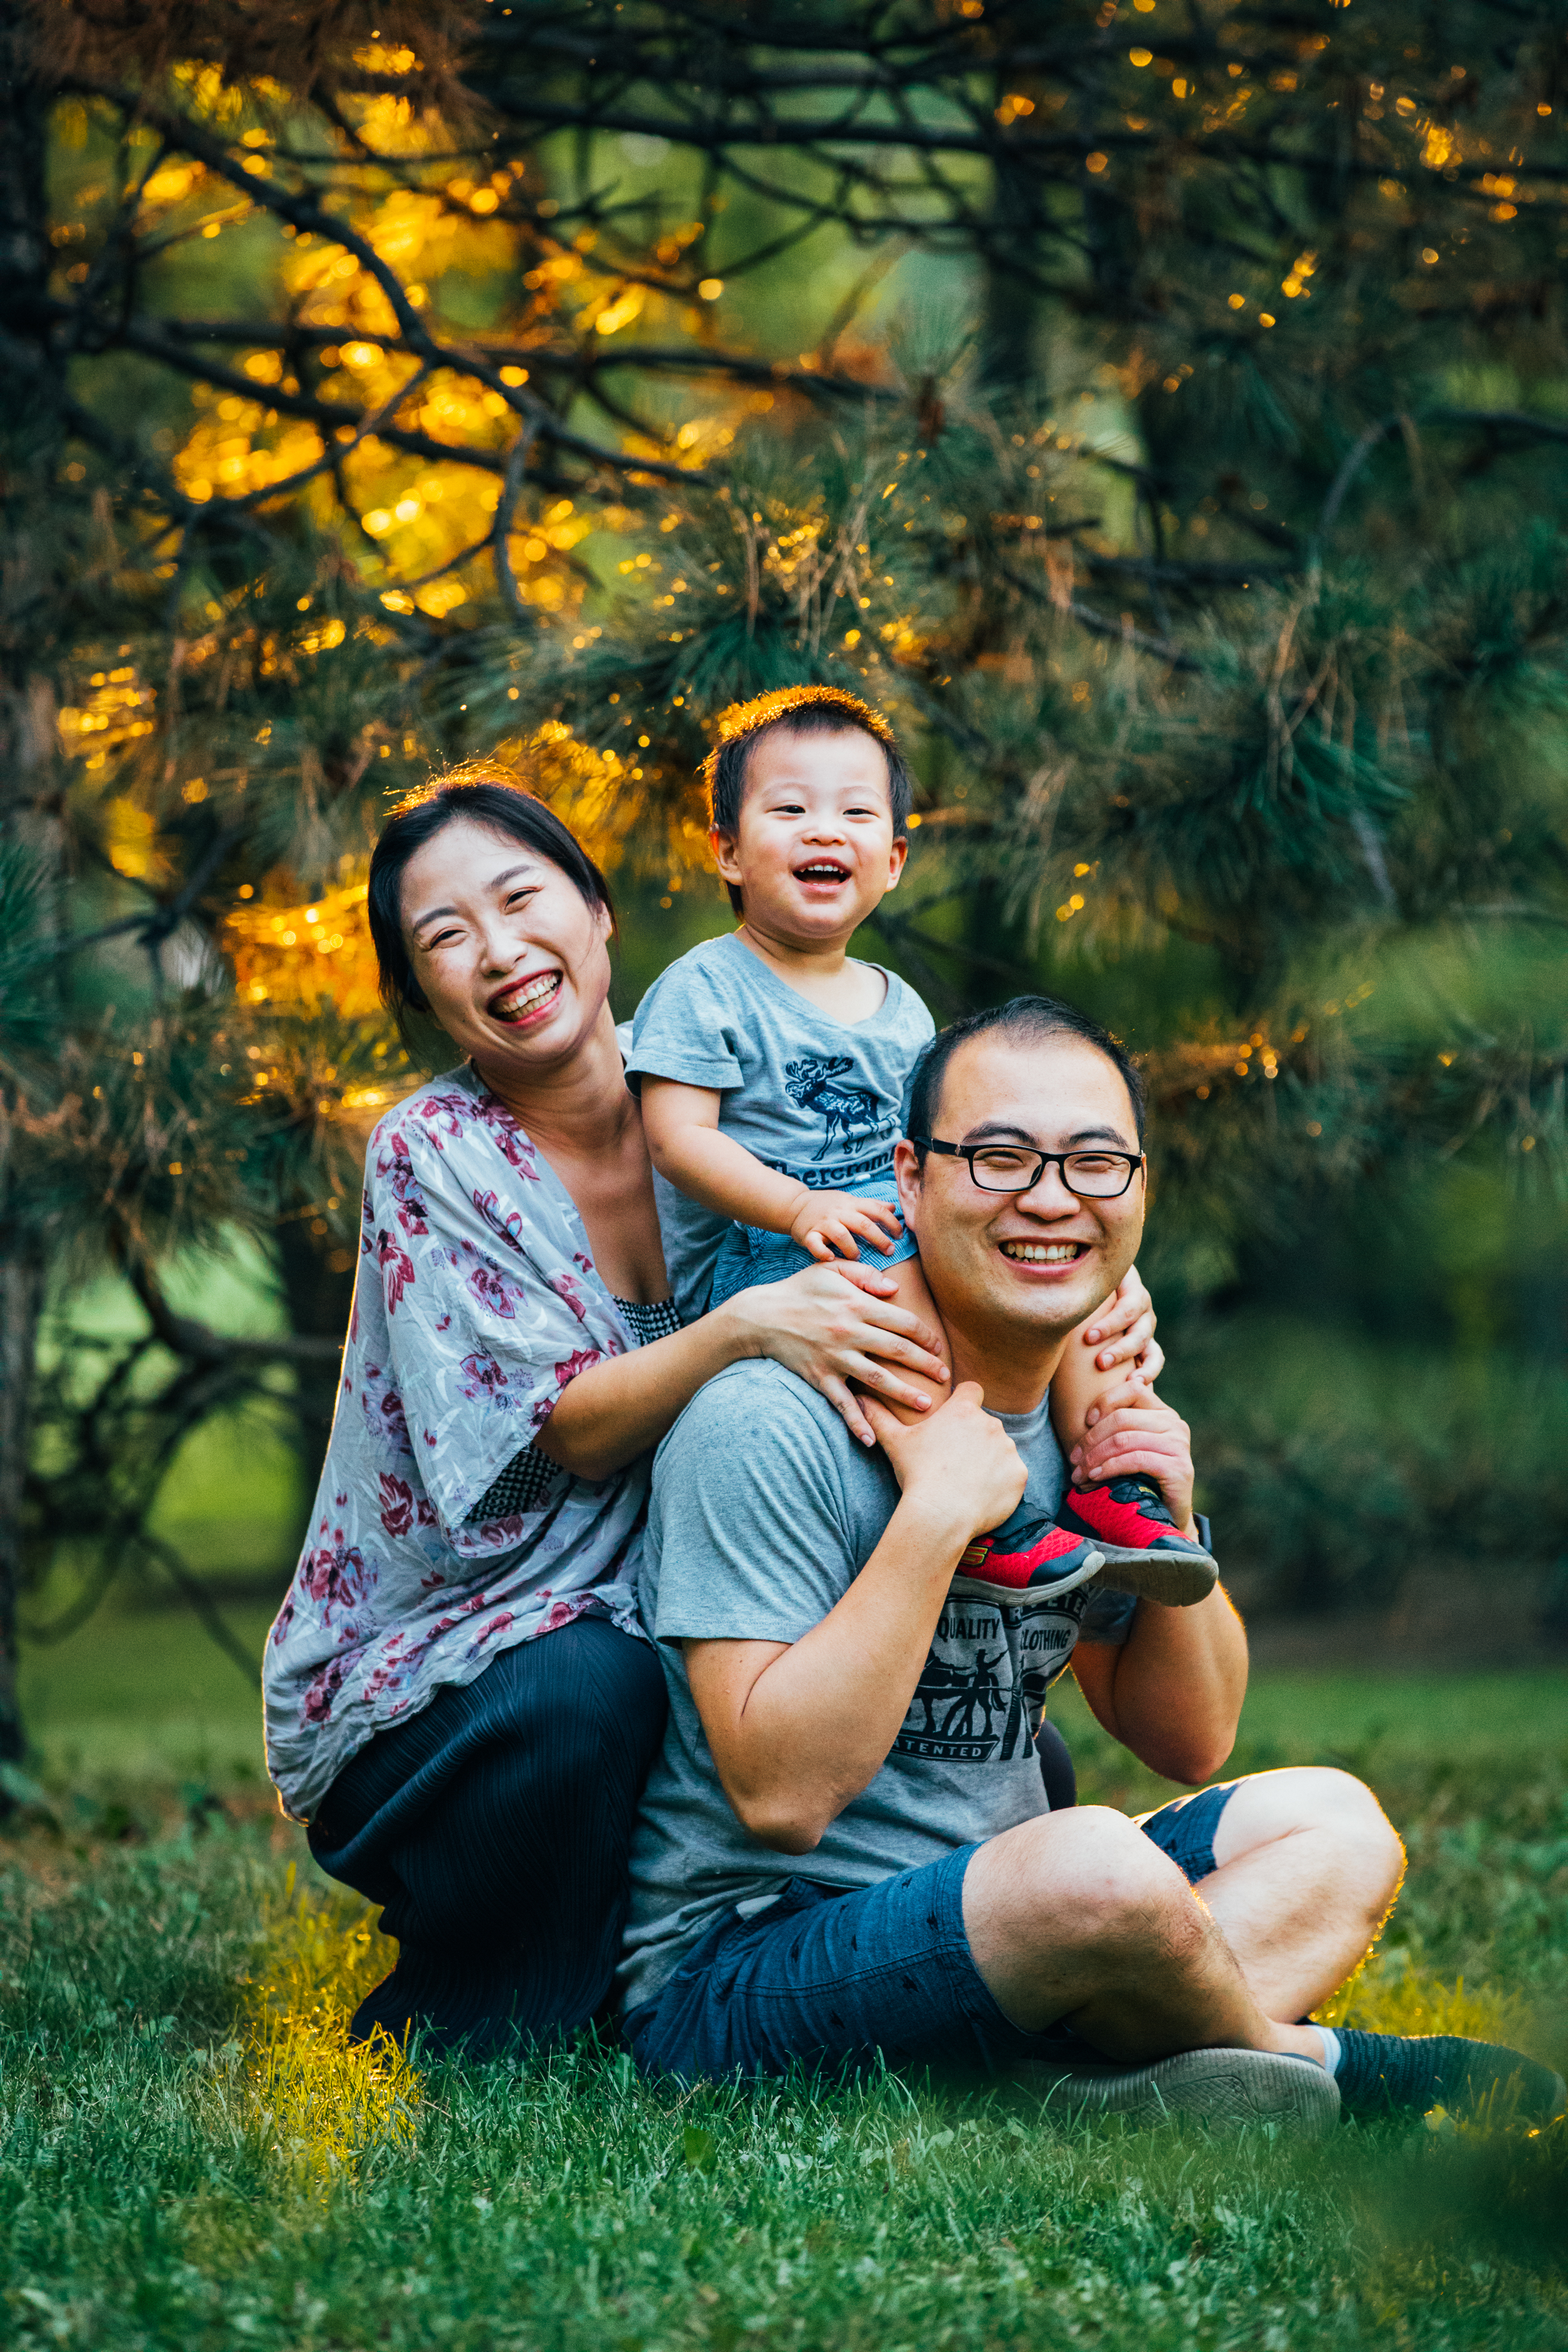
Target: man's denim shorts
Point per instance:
(839, 1982)
(748, 1254)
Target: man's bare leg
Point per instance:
(1079, 1919)
(1309, 1867)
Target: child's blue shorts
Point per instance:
(748, 1254)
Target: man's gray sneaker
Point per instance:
(1223, 2088)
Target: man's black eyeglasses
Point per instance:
(1015, 1168)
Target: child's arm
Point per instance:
(681, 1124)
(1113, 1343)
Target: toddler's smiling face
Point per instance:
(815, 852)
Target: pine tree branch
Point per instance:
(1499, 420)
(303, 213)
(1505, 911)
(501, 535)
(204, 1609)
(1488, 420)
(594, 355)
(1101, 624)
(202, 1345)
(1179, 571)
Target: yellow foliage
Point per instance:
(1390, 1994)
(114, 713)
(621, 311)
(319, 2102)
(297, 955)
(132, 840)
(292, 954)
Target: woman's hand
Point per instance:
(833, 1323)
(1122, 1332)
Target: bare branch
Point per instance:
(202, 1345)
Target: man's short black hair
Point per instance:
(1021, 1016)
(484, 799)
(799, 711)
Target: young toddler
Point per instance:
(773, 1067)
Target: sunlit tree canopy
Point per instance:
(1157, 409)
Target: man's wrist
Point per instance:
(937, 1519)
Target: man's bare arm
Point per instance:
(797, 1730)
(1172, 1692)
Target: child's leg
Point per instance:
(1129, 1519)
(1078, 1384)
(914, 1295)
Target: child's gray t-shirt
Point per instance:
(814, 1099)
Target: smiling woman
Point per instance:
(461, 1699)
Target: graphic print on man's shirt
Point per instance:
(983, 1687)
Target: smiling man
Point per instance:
(845, 1849)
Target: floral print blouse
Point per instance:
(475, 1302)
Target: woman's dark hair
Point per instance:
(488, 801)
(1025, 1016)
(799, 711)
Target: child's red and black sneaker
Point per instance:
(1030, 1557)
(1130, 1522)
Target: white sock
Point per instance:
(1332, 2051)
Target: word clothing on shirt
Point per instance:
(764, 1510)
(817, 1100)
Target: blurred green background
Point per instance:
(1376, 1367)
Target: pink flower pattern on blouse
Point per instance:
(477, 1301)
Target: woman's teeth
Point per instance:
(512, 1008)
(1042, 1252)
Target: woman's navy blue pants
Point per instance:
(494, 1827)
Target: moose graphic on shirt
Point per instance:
(813, 1082)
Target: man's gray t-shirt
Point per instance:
(815, 1098)
(764, 1510)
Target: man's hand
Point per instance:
(959, 1460)
(797, 1730)
(1134, 1432)
(832, 1224)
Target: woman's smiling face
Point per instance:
(513, 960)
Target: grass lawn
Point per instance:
(190, 2156)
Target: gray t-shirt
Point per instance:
(764, 1510)
(818, 1100)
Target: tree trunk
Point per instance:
(1010, 324)
(319, 1300)
(30, 816)
(21, 1295)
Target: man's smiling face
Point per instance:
(1018, 1271)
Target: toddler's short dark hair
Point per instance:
(802, 710)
